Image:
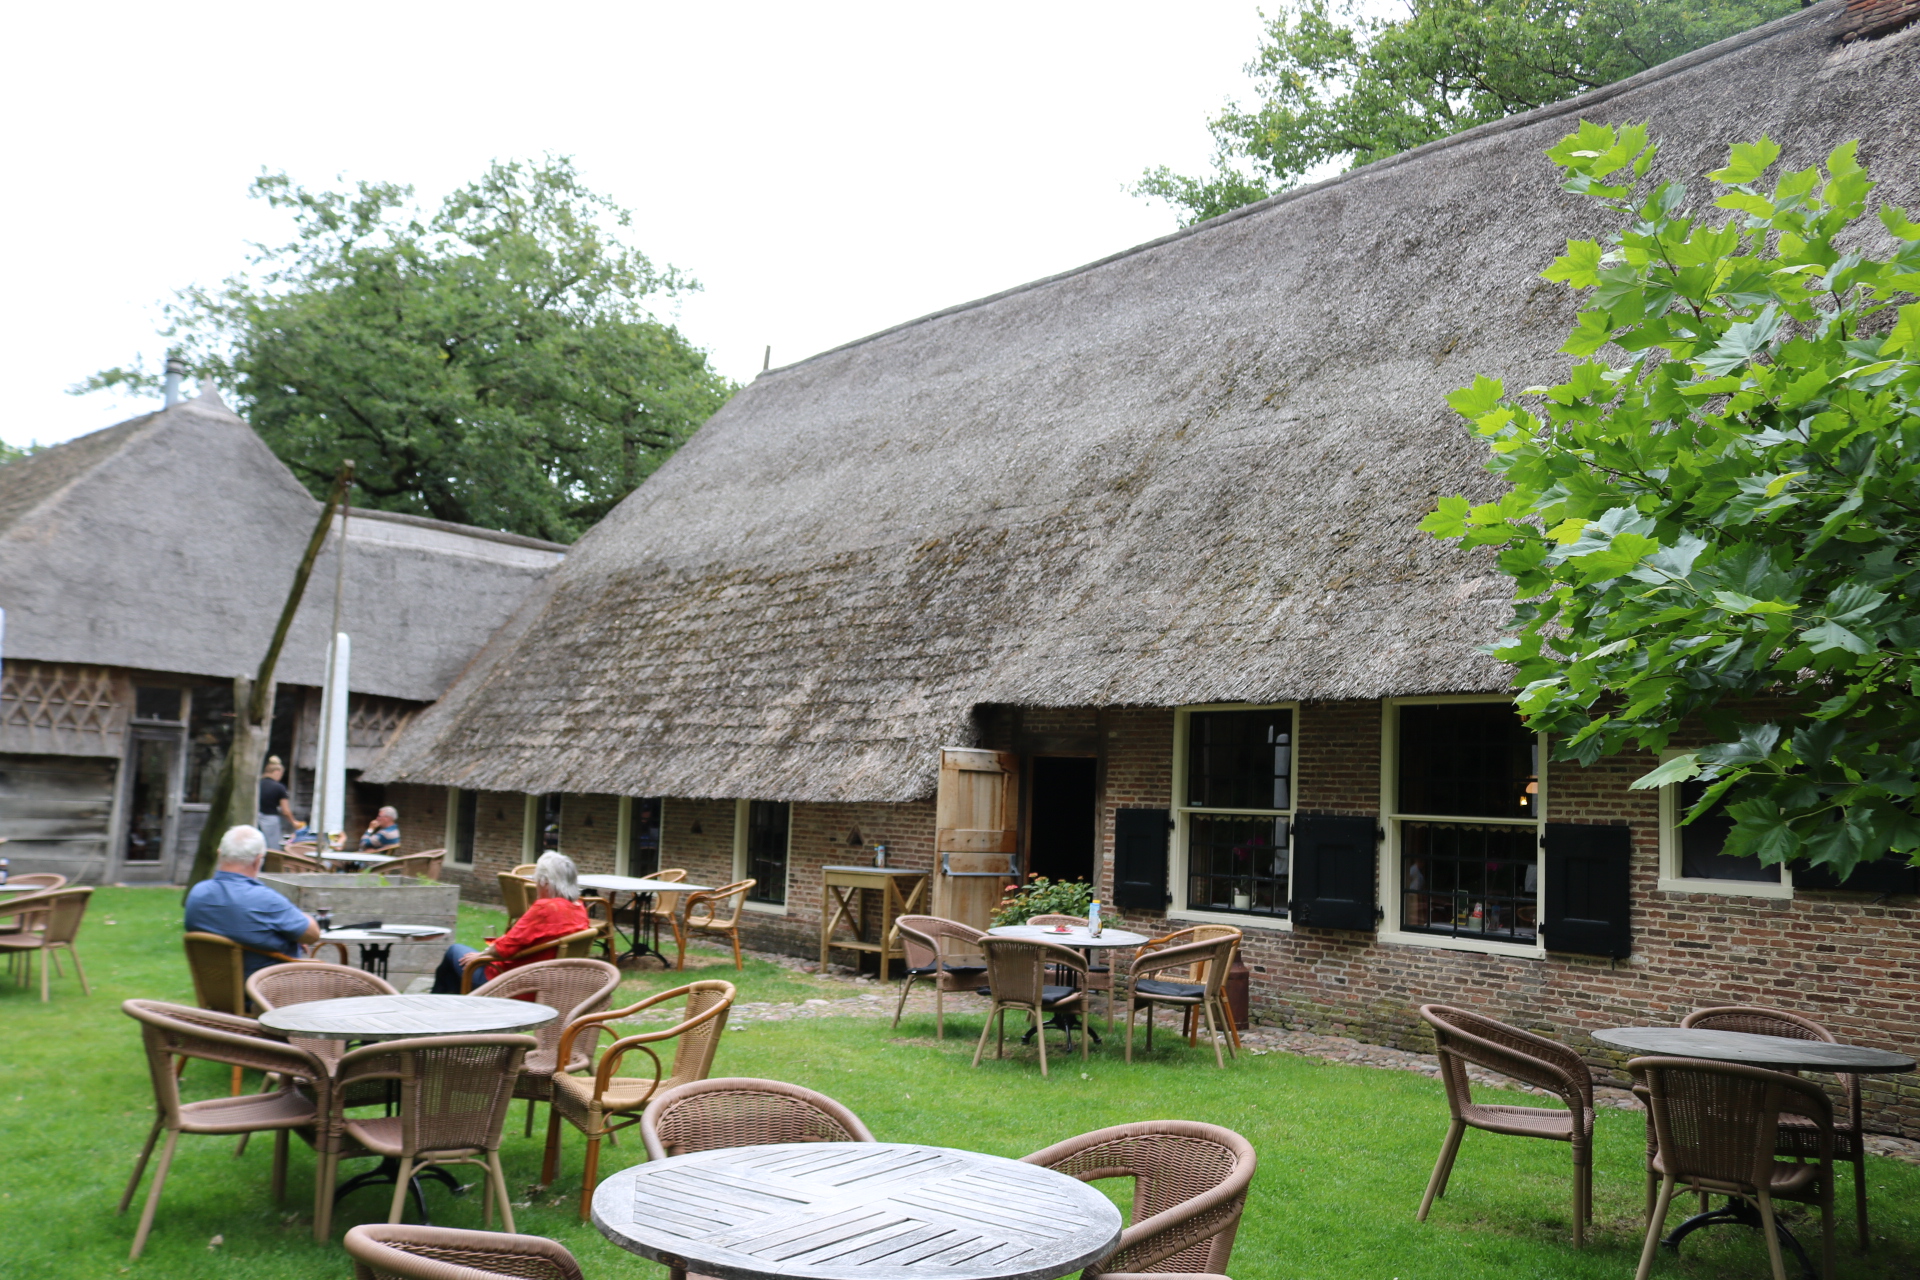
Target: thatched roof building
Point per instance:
(1190, 472)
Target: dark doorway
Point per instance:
(1060, 817)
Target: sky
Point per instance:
(826, 170)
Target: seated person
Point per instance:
(234, 904)
(555, 913)
(383, 833)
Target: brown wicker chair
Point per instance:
(1466, 1039)
(1796, 1133)
(305, 981)
(454, 1092)
(665, 908)
(172, 1030)
(576, 987)
(1715, 1126)
(517, 893)
(424, 865)
(574, 946)
(1198, 972)
(702, 915)
(1147, 991)
(706, 1115)
(218, 968)
(1017, 979)
(50, 920)
(287, 862)
(400, 1252)
(594, 1104)
(1099, 970)
(1189, 1190)
(37, 882)
(941, 950)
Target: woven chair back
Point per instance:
(1197, 933)
(666, 904)
(707, 1115)
(38, 880)
(288, 863)
(454, 1091)
(704, 909)
(576, 987)
(280, 985)
(1759, 1021)
(1205, 962)
(175, 1030)
(426, 865)
(1017, 968)
(1198, 1173)
(383, 1251)
(952, 941)
(219, 977)
(1465, 1038)
(1717, 1121)
(695, 1047)
(61, 912)
(516, 893)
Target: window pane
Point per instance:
(1474, 759)
(1240, 759)
(209, 733)
(466, 812)
(767, 850)
(1702, 839)
(643, 837)
(1467, 880)
(151, 703)
(550, 805)
(1237, 864)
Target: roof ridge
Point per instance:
(1652, 75)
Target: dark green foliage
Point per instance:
(1725, 508)
(1040, 896)
(1339, 85)
(495, 363)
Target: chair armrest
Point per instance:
(468, 963)
(619, 1049)
(340, 949)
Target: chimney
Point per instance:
(1871, 19)
(175, 367)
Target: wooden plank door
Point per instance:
(976, 819)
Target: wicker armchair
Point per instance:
(1198, 972)
(49, 920)
(1466, 1039)
(574, 946)
(517, 893)
(398, 1252)
(706, 1115)
(941, 950)
(1099, 975)
(218, 968)
(424, 865)
(1796, 1132)
(1017, 979)
(1715, 1126)
(305, 981)
(1147, 991)
(37, 882)
(287, 862)
(596, 1104)
(703, 915)
(453, 1091)
(1189, 1190)
(576, 987)
(665, 907)
(172, 1030)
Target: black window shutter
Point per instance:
(1140, 858)
(1589, 889)
(1333, 872)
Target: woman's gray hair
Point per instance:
(556, 871)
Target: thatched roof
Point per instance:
(1189, 472)
(167, 543)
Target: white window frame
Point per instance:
(1177, 865)
(452, 835)
(623, 830)
(741, 809)
(530, 850)
(1671, 881)
(1391, 818)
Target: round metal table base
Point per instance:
(1741, 1213)
(388, 1172)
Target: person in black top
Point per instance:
(275, 813)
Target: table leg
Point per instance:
(1741, 1213)
(388, 1171)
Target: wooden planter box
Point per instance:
(363, 896)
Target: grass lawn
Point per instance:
(1344, 1151)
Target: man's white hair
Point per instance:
(242, 846)
(388, 811)
(556, 871)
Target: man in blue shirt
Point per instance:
(234, 904)
(383, 833)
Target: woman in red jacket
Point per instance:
(555, 913)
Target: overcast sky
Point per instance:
(825, 169)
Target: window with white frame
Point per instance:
(762, 829)
(1234, 802)
(639, 835)
(1466, 806)
(1692, 857)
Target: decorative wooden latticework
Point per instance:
(372, 721)
(62, 709)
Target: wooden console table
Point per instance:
(901, 893)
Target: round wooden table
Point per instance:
(645, 939)
(856, 1211)
(1777, 1053)
(399, 1017)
